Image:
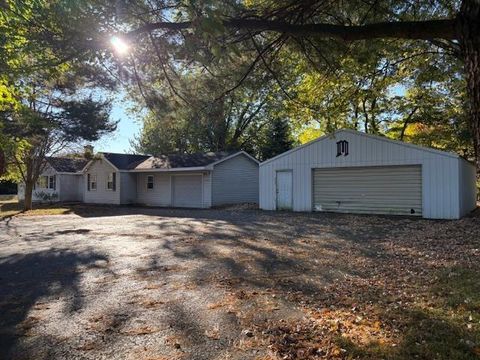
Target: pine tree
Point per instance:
(277, 139)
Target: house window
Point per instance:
(111, 181)
(149, 182)
(52, 184)
(92, 182)
(43, 182)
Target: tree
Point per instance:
(453, 26)
(277, 139)
(50, 116)
(47, 65)
(210, 120)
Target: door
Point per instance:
(187, 191)
(371, 190)
(284, 190)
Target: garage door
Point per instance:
(187, 191)
(374, 190)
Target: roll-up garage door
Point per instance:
(372, 190)
(187, 191)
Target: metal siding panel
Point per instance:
(467, 187)
(207, 189)
(384, 190)
(235, 181)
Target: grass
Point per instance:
(11, 207)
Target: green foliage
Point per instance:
(406, 90)
(277, 139)
(50, 66)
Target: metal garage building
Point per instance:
(352, 172)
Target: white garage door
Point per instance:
(373, 190)
(187, 191)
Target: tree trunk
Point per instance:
(469, 31)
(3, 165)
(27, 205)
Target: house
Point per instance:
(198, 180)
(352, 172)
(61, 180)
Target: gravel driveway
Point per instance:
(212, 284)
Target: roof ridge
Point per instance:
(116, 153)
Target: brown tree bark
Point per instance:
(27, 205)
(3, 161)
(422, 30)
(469, 36)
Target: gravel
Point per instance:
(198, 284)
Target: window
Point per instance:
(52, 184)
(43, 182)
(111, 181)
(149, 182)
(92, 182)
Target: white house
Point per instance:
(61, 180)
(349, 171)
(183, 180)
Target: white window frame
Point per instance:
(110, 181)
(93, 180)
(50, 182)
(148, 182)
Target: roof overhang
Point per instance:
(198, 168)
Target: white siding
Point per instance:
(128, 187)
(235, 181)
(48, 171)
(207, 190)
(440, 175)
(161, 194)
(101, 196)
(71, 186)
(468, 187)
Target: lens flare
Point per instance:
(120, 46)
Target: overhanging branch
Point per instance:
(422, 30)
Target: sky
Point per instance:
(127, 128)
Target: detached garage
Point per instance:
(352, 172)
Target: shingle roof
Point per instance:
(70, 165)
(125, 161)
(182, 160)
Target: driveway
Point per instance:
(209, 284)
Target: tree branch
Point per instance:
(422, 30)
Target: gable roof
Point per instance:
(177, 161)
(67, 165)
(359, 133)
(124, 161)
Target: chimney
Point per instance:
(88, 151)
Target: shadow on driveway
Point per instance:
(28, 280)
